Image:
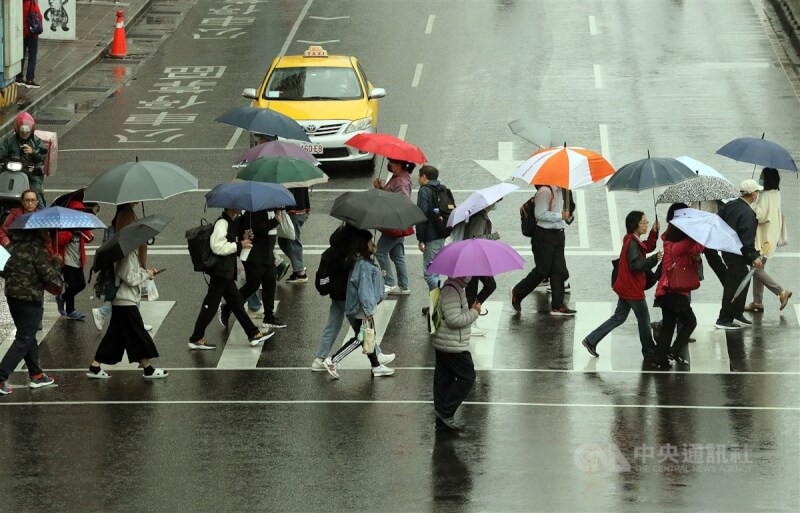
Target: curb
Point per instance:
(788, 17)
(100, 52)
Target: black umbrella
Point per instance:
(377, 209)
(264, 121)
(129, 239)
(77, 195)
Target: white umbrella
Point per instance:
(4, 256)
(708, 229)
(479, 200)
(701, 169)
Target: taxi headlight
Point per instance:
(359, 124)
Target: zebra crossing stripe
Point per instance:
(237, 353)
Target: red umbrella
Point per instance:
(387, 146)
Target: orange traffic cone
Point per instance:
(119, 47)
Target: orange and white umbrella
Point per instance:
(568, 167)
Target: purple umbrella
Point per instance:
(276, 149)
(476, 257)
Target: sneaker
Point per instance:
(272, 323)
(563, 311)
(387, 289)
(449, 422)
(281, 270)
(19, 80)
(589, 347)
(296, 277)
(224, 316)
(157, 374)
(42, 381)
(31, 84)
(398, 291)
(60, 304)
(5, 389)
(76, 316)
(318, 365)
(330, 367)
(101, 374)
(677, 358)
(784, 297)
(386, 358)
(726, 325)
(382, 370)
(742, 321)
(148, 327)
(99, 318)
(259, 338)
(567, 289)
(515, 303)
(475, 331)
(201, 344)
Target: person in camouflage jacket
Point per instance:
(29, 268)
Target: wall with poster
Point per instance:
(59, 19)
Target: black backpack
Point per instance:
(34, 23)
(199, 241)
(443, 205)
(527, 216)
(332, 274)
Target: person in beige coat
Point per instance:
(768, 213)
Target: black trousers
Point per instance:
(74, 282)
(27, 316)
(219, 288)
(125, 334)
(716, 264)
(489, 286)
(264, 276)
(675, 309)
(735, 273)
(453, 378)
(353, 344)
(549, 262)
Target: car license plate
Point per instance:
(314, 149)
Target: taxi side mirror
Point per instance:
(249, 92)
(377, 92)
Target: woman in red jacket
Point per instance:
(680, 250)
(71, 245)
(630, 284)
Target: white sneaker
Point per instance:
(475, 331)
(260, 337)
(397, 291)
(330, 367)
(386, 358)
(99, 319)
(148, 327)
(388, 290)
(318, 365)
(382, 370)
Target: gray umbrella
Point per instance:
(539, 134)
(128, 239)
(139, 181)
(649, 173)
(377, 209)
(702, 188)
(264, 121)
(758, 151)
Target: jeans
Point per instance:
(30, 46)
(549, 262)
(431, 249)
(74, 283)
(331, 329)
(294, 248)
(27, 316)
(624, 306)
(392, 247)
(36, 183)
(737, 270)
(453, 377)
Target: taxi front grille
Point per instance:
(334, 153)
(326, 129)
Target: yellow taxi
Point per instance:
(329, 95)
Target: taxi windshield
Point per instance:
(316, 83)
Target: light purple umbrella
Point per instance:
(479, 200)
(276, 149)
(476, 257)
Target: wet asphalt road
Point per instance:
(677, 78)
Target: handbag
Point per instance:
(783, 238)
(286, 227)
(56, 286)
(680, 278)
(367, 336)
(152, 291)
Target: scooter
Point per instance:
(13, 182)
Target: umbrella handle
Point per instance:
(655, 205)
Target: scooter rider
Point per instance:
(26, 147)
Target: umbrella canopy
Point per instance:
(287, 171)
(250, 196)
(700, 168)
(476, 257)
(387, 146)
(128, 239)
(276, 149)
(702, 188)
(649, 173)
(758, 151)
(540, 134)
(564, 166)
(708, 229)
(4, 256)
(264, 121)
(479, 200)
(144, 180)
(59, 218)
(377, 209)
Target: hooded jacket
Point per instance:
(453, 334)
(30, 266)
(129, 276)
(63, 237)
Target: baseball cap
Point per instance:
(749, 186)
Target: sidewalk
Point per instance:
(788, 12)
(59, 62)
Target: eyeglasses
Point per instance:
(29, 200)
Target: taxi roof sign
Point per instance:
(315, 51)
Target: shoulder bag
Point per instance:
(681, 279)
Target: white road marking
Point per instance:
(237, 353)
(358, 360)
(296, 26)
(318, 42)
(505, 151)
(329, 18)
(582, 217)
(613, 219)
(429, 26)
(417, 75)
(234, 138)
(401, 134)
(710, 352)
(590, 316)
(598, 79)
(482, 348)
(592, 26)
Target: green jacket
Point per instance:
(30, 266)
(10, 148)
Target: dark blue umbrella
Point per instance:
(250, 196)
(758, 151)
(57, 218)
(264, 121)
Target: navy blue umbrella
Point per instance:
(759, 151)
(250, 196)
(57, 218)
(264, 121)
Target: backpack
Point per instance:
(443, 205)
(527, 216)
(105, 285)
(331, 276)
(199, 242)
(34, 22)
(436, 314)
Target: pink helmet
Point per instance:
(26, 120)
